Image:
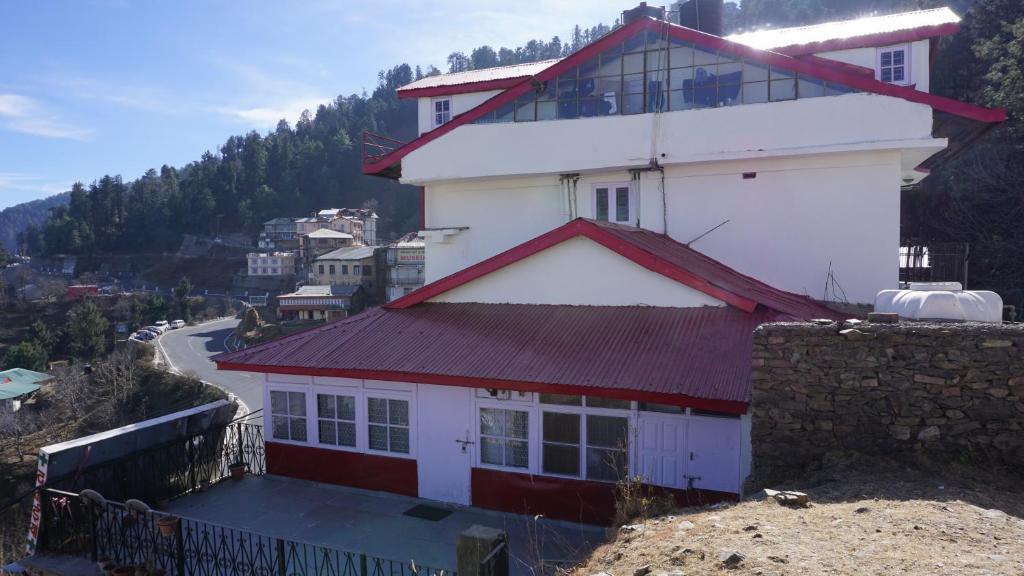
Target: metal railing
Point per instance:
(377, 146)
(72, 524)
(170, 470)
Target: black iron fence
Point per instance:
(93, 528)
(170, 470)
(934, 262)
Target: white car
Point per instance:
(177, 324)
(163, 325)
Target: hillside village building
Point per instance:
(350, 266)
(602, 234)
(271, 263)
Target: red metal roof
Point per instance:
(831, 73)
(693, 356)
(656, 252)
(698, 357)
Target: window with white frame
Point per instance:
(442, 111)
(388, 424)
(504, 437)
(893, 64)
(336, 419)
(614, 203)
(584, 437)
(288, 415)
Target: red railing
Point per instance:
(376, 147)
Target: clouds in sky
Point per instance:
(26, 115)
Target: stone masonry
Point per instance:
(952, 390)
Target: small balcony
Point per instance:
(205, 522)
(376, 148)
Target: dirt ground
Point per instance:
(869, 518)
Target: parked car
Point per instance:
(177, 324)
(155, 330)
(163, 325)
(143, 335)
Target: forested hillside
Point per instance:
(316, 163)
(16, 218)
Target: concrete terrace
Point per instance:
(373, 523)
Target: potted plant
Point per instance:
(168, 525)
(237, 470)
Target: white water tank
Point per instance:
(941, 301)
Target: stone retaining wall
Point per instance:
(951, 390)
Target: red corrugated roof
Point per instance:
(694, 356)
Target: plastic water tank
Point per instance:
(941, 301)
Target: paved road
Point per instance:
(189, 350)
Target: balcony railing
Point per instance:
(377, 146)
(170, 470)
(73, 524)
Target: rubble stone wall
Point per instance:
(949, 389)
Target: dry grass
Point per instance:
(886, 521)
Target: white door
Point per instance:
(714, 453)
(444, 450)
(661, 449)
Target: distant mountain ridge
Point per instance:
(15, 219)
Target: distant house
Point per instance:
(404, 260)
(78, 291)
(348, 266)
(17, 385)
(364, 222)
(271, 263)
(320, 302)
(280, 229)
(320, 242)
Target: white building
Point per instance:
(271, 263)
(602, 234)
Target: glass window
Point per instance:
(526, 111)
(892, 65)
(331, 269)
(607, 447)
(782, 90)
(442, 111)
(562, 399)
(504, 437)
(681, 57)
(355, 269)
(288, 415)
(754, 72)
(336, 418)
(320, 269)
(367, 270)
(755, 92)
(561, 444)
(600, 213)
(633, 64)
(599, 402)
(657, 60)
(663, 408)
(809, 87)
(622, 204)
(611, 64)
(388, 424)
(344, 269)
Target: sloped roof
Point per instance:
(348, 253)
(860, 32)
(494, 78)
(17, 382)
(656, 252)
(322, 290)
(694, 356)
(328, 233)
(384, 166)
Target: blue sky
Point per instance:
(90, 87)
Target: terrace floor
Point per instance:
(374, 523)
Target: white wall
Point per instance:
(920, 69)
(460, 104)
(754, 130)
(578, 272)
(784, 228)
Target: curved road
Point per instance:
(189, 349)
